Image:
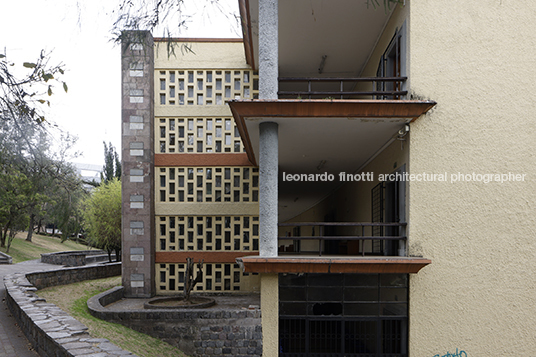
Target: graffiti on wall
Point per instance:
(460, 353)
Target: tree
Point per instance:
(112, 164)
(24, 138)
(26, 149)
(16, 196)
(21, 99)
(67, 193)
(102, 215)
(189, 281)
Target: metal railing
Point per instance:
(394, 93)
(321, 236)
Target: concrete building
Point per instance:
(397, 192)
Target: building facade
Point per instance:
(430, 256)
(383, 176)
(203, 203)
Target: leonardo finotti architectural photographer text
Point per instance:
(405, 176)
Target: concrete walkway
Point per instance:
(13, 343)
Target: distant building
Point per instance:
(89, 172)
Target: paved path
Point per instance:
(13, 343)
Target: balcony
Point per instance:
(382, 88)
(372, 239)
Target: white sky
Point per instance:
(78, 35)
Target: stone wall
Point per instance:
(197, 332)
(72, 275)
(75, 258)
(51, 331)
(5, 259)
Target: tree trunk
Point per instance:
(118, 255)
(189, 281)
(10, 238)
(3, 235)
(39, 225)
(30, 228)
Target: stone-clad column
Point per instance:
(268, 49)
(268, 188)
(268, 173)
(138, 234)
(268, 132)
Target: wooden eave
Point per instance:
(322, 108)
(197, 39)
(300, 264)
(245, 18)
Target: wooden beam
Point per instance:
(207, 257)
(297, 264)
(209, 159)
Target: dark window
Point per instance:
(391, 65)
(343, 315)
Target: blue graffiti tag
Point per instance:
(461, 353)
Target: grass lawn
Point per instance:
(22, 250)
(73, 299)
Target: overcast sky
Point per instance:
(77, 33)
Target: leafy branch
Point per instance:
(21, 98)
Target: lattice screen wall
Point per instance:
(197, 135)
(207, 184)
(217, 277)
(205, 87)
(204, 133)
(206, 234)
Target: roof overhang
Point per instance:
(318, 136)
(343, 264)
(249, 114)
(344, 31)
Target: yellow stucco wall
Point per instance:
(200, 54)
(476, 59)
(270, 322)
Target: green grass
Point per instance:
(73, 299)
(22, 250)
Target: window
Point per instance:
(392, 64)
(343, 314)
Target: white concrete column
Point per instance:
(268, 188)
(268, 49)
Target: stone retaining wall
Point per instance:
(5, 259)
(197, 332)
(51, 331)
(75, 258)
(64, 276)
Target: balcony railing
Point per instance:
(385, 88)
(373, 232)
